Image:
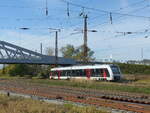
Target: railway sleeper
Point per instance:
(59, 97)
(81, 97)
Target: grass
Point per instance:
(109, 86)
(145, 82)
(139, 79)
(20, 105)
(10, 77)
(132, 84)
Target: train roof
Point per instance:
(84, 67)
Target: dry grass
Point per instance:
(84, 81)
(20, 105)
(136, 76)
(138, 79)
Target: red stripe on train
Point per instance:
(59, 74)
(88, 73)
(104, 74)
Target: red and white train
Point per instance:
(108, 72)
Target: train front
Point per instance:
(116, 72)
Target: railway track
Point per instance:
(124, 101)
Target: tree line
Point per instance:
(134, 68)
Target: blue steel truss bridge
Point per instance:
(13, 54)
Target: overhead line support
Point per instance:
(85, 38)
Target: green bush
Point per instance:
(23, 70)
(134, 69)
(42, 75)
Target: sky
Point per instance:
(109, 40)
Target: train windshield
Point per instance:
(115, 70)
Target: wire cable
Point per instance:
(104, 11)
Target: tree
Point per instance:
(22, 70)
(19, 69)
(49, 51)
(77, 53)
(68, 51)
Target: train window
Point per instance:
(78, 73)
(64, 73)
(74, 73)
(99, 72)
(83, 72)
(69, 73)
(115, 69)
(93, 73)
(96, 72)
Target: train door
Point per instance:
(104, 74)
(88, 73)
(58, 74)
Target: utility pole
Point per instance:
(56, 44)
(141, 53)
(41, 48)
(85, 38)
(85, 30)
(56, 47)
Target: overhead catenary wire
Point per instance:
(32, 19)
(104, 11)
(21, 7)
(122, 9)
(16, 28)
(70, 15)
(36, 18)
(106, 22)
(43, 19)
(133, 4)
(110, 13)
(43, 7)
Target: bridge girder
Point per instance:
(13, 54)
